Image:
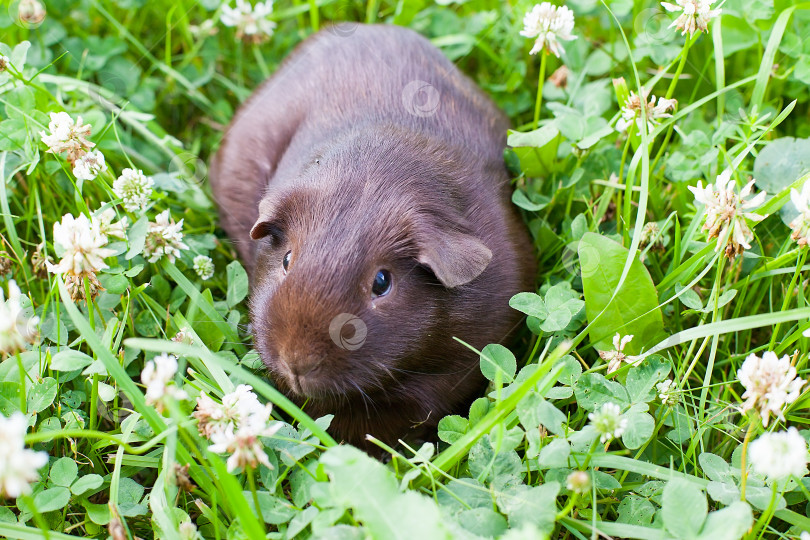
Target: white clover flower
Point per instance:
(609, 422)
(252, 23)
(210, 416)
(164, 238)
(204, 29)
(726, 212)
(631, 111)
(801, 225)
(188, 531)
(158, 376)
(18, 465)
(615, 357)
(651, 235)
(82, 245)
(805, 535)
(239, 407)
(4, 63)
(548, 24)
(16, 329)
(770, 384)
(134, 188)
(67, 136)
(244, 407)
(103, 224)
(779, 455)
(695, 15)
(234, 427)
(184, 336)
(89, 165)
(204, 267)
(244, 445)
(578, 482)
(61, 129)
(666, 393)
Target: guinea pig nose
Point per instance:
(302, 369)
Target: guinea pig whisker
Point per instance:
(384, 368)
(377, 382)
(429, 373)
(335, 398)
(364, 397)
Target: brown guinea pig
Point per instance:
(364, 188)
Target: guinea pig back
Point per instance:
(364, 188)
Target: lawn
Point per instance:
(659, 157)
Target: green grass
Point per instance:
(158, 94)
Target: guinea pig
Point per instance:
(364, 188)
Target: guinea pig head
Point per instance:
(356, 267)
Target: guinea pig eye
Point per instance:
(285, 262)
(382, 283)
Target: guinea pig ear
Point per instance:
(455, 257)
(266, 224)
(262, 228)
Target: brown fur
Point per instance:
(351, 181)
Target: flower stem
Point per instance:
(679, 69)
(252, 483)
(789, 294)
(628, 191)
(94, 403)
(715, 298)
(590, 452)
(540, 80)
(572, 500)
(766, 516)
(743, 467)
(89, 299)
(23, 374)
